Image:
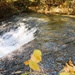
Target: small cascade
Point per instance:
(18, 31)
(14, 39)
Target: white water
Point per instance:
(14, 39)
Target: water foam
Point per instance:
(14, 39)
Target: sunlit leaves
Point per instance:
(69, 69)
(36, 57)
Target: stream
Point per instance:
(54, 35)
(15, 34)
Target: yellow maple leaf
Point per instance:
(36, 56)
(71, 69)
(38, 52)
(33, 65)
(64, 73)
(71, 63)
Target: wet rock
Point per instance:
(60, 59)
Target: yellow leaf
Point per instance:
(33, 65)
(36, 59)
(71, 69)
(64, 73)
(26, 62)
(37, 52)
(36, 56)
(66, 69)
(72, 73)
(71, 63)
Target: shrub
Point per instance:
(6, 9)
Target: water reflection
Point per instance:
(54, 35)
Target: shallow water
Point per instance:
(56, 34)
(53, 35)
(50, 32)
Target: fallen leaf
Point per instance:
(33, 65)
(26, 62)
(66, 69)
(36, 56)
(64, 73)
(71, 69)
(38, 52)
(71, 63)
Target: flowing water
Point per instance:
(54, 35)
(15, 34)
(59, 32)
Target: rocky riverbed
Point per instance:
(52, 63)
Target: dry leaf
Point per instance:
(71, 63)
(66, 69)
(64, 73)
(71, 69)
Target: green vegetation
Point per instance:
(10, 7)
